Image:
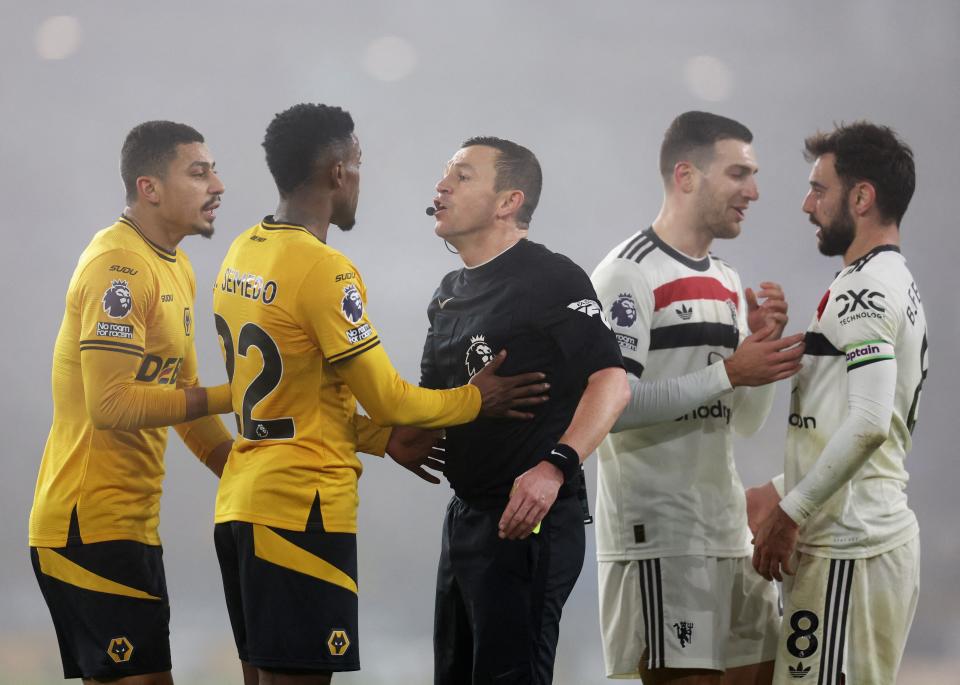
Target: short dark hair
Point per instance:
(299, 137)
(517, 169)
(691, 137)
(148, 150)
(868, 152)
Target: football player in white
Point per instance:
(843, 538)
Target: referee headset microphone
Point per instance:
(431, 210)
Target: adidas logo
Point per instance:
(798, 671)
(684, 312)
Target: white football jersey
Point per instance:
(871, 314)
(672, 488)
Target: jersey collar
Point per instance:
(270, 224)
(695, 264)
(162, 252)
(873, 253)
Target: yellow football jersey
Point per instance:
(126, 344)
(292, 319)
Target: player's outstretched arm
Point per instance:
(392, 401)
(760, 359)
(535, 490)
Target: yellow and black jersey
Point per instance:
(126, 344)
(300, 349)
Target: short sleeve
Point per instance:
(574, 319)
(861, 319)
(116, 294)
(333, 301)
(627, 303)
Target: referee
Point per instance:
(513, 536)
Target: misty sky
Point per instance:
(590, 88)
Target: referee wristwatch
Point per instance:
(564, 458)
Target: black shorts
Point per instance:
(291, 596)
(497, 615)
(109, 605)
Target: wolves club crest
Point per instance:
(117, 300)
(352, 304)
(479, 354)
(624, 310)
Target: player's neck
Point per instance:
(480, 247)
(681, 233)
(155, 229)
(313, 214)
(869, 238)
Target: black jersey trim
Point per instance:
(633, 366)
(862, 261)
(635, 244)
(84, 348)
(860, 365)
(639, 257)
(351, 353)
(162, 252)
(98, 341)
(817, 345)
(270, 224)
(695, 264)
(694, 335)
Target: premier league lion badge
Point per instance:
(623, 311)
(479, 354)
(352, 304)
(117, 300)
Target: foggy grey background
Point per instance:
(590, 87)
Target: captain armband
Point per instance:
(864, 353)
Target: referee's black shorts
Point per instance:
(109, 605)
(498, 605)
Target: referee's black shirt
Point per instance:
(541, 308)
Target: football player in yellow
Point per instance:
(300, 351)
(125, 368)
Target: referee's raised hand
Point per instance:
(503, 396)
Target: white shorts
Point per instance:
(686, 612)
(847, 620)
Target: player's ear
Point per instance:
(510, 203)
(336, 174)
(683, 176)
(148, 189)
(864, 197)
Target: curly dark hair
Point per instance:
(691, 136)
(867, 152)
(300, 136)
(517, 169)
(148, 150)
